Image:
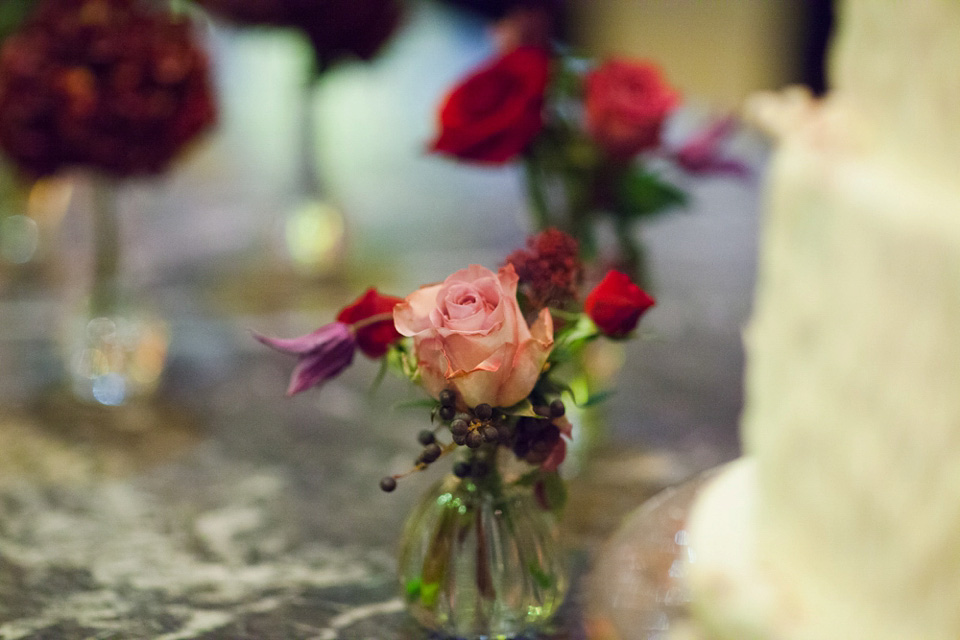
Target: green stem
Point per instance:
(309, 179)
(484, 578)
(538, 198)
(106, 247)
(579, 212)
(632, 255)
(438, 558)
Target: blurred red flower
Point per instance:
(626, 104)
(494, 113)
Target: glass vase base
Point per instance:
(113, 359)
(479, 563)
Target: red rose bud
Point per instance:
(495, 112)
(616, 304)
(374, 335)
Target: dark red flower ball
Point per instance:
(494, 113)
(373, 338)
(106, 84)
(616, 304)
(549, 269)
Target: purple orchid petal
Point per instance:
(715, 133)
(728, 166)
(702, 154)
(316, 368)
(335, 331)
(322, 354)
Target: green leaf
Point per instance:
(548, 386)
(428, 594)
(412, 589)
(401, 361)
(642, 194)
(570, 316)
(12, 14)
(555, 490)
(583, 329)
(528, 479)
(381, 374)
(595, 398)
(524, 408)
(422, 403)
(572, 338)
(541, 577)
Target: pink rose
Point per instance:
(626, 104)
(470, 336)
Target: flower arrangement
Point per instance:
(492, 350)
(588, 133)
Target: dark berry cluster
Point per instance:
(549, 269)
(535, 438)
(531, 439)
(107, 84)
(335, 28)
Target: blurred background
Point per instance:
(308, 191)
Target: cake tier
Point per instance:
(897, 63)
(852, 409)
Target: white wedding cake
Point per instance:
(842, 522)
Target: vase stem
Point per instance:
(106, 247)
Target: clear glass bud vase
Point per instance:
(480, 558)
(115, 344)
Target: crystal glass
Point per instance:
(480, 558)
(115, 344)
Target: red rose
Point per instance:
(373, 338)
(616, 304)
(626, 104)
(494, 114)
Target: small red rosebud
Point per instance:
(375, 337)
(616, 304)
